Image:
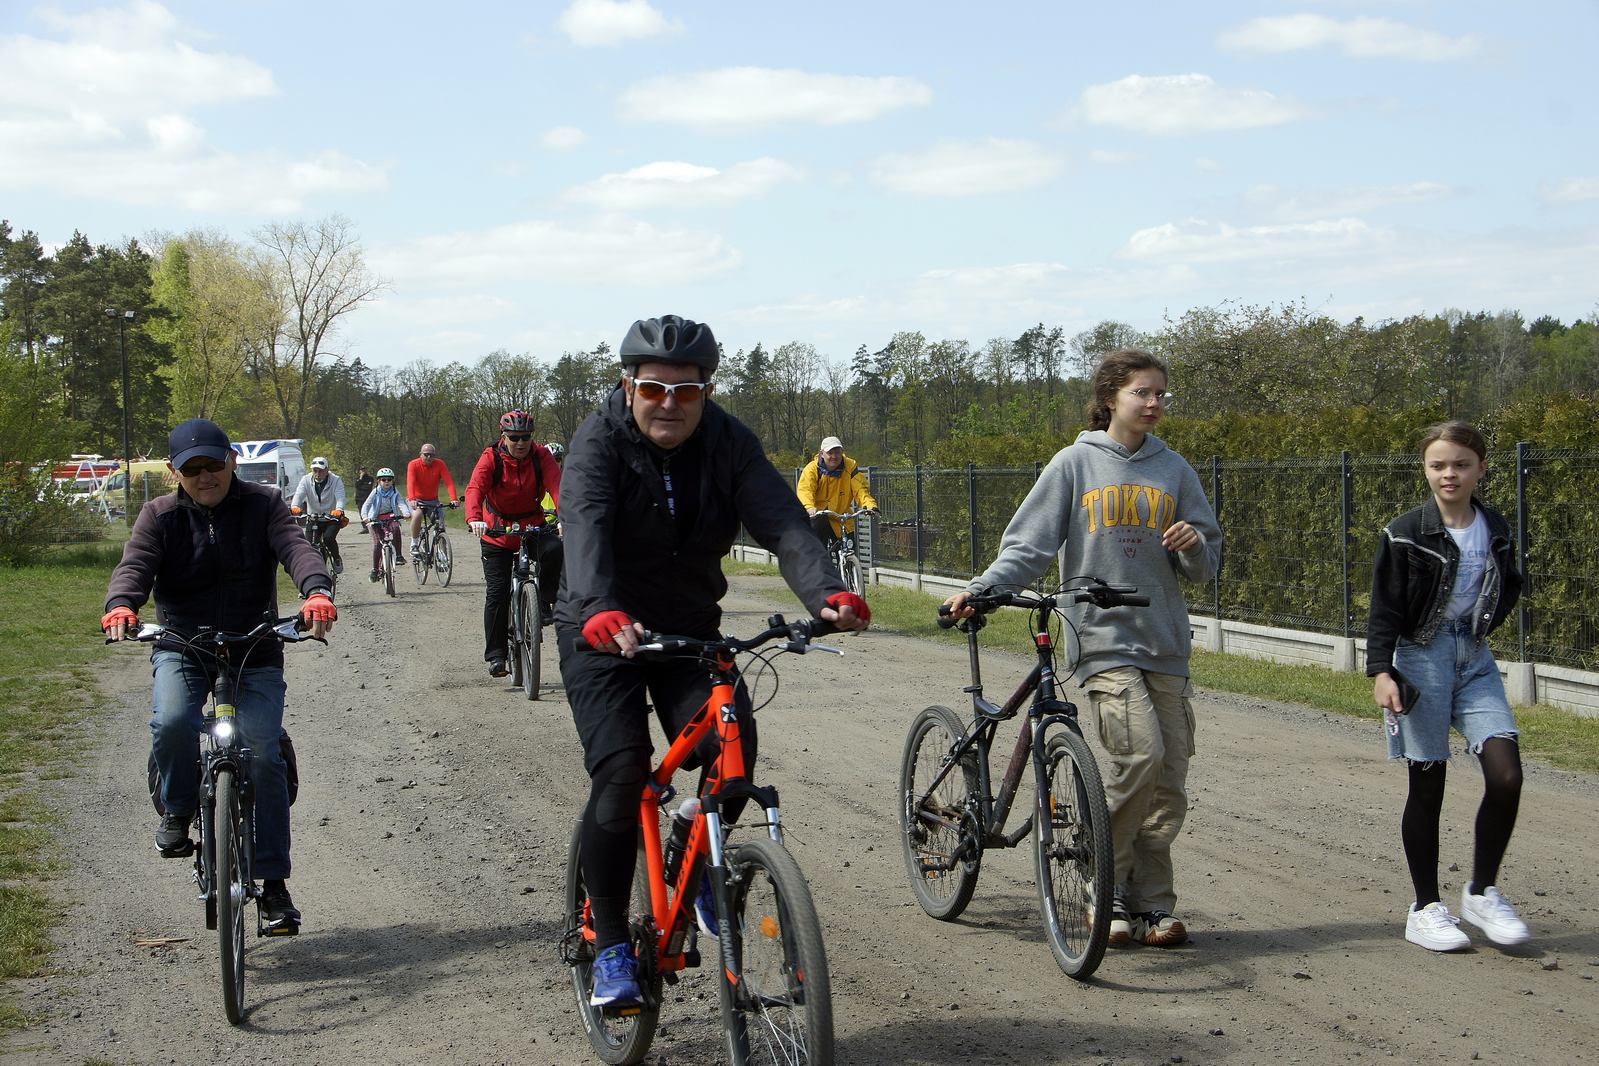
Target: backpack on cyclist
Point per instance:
(498, 476)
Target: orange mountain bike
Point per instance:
(776, 1002)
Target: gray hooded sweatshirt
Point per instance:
(1106, 508)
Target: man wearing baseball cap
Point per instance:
(209, 554)
(321, 495)
(831, 482)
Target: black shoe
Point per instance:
(497, 668)
(172, 839)
(375, 576)
(278, 910)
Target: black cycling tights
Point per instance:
(1496, 818)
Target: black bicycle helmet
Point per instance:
(670, 339)
(516, 421)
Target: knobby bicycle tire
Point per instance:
(1076, 872)
(332, 569)
(422, 561)
(231, 893)
(781, 1012)
(532, 626)
(936, 825)
(389, 564)
(443, 561)
(618, 1041)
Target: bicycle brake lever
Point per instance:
(823, 647)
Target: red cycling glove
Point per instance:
(318, 608)
(853, 602)
(604, 627)
(118, 616)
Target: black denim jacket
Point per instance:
(1415, 573)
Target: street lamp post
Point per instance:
(123, 318)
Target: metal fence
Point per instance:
(1300, 537)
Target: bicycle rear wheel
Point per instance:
(781, 1010)
(231, 892)
(619, 1040)
(938, 827)
(389, 563)
(531, 638)
(443, 561)
(1076, 871)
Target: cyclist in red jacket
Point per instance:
(509, 484)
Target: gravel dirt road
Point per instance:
(430, 839)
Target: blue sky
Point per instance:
(534, 176)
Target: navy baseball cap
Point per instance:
(197, 437)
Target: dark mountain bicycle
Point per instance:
(315, 527)
(776, 998)
(949, 814)
(433, 545)
(527, 620)
(224, 857)
(842, 548)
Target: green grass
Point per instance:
(1549, 734)
(50, 643)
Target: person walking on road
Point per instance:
(1445, 578)
(1121, 505)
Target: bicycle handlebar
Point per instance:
(1097, 592)
(799, 635)
(290, 630)
(856, 513)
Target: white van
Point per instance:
(271, 462)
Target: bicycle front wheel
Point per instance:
(1076, 868)
(389, 563)
(938, 826)
(333, 571)
(231, 892)
(781, 1009)
(849, 568)
(443, 561)
(617, 1039)
(532, 626)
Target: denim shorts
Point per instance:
(1460, 686)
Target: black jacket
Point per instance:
(216, 566)
(624, 551)
(1415, 573)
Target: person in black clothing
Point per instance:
(363, 486)
(654, 488)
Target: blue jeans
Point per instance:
(1460, 686)
(177, 696)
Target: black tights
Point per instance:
(1496, 818)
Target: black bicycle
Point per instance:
(433, 545)
(316, 527)
(949, 814)
(842, 548)
(224, 858)
(525, 636)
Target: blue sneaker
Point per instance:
(705, 908)
(615, 977)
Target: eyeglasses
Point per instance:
(1160, 396)
(520, 438)
(385, 479)
(429, 455)
(196, 467)
(658, 391)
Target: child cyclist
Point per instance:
(385, 500)
(1445, 577)
(1120, 505)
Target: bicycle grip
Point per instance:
(945, 619)
(1132, 601)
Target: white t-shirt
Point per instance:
(1474, 562)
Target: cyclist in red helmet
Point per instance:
(507, 485)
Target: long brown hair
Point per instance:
(1110, 375)
(1456, 432)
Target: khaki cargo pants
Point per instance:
(1146, 724)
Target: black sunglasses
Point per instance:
(196, 467)
(519, 437)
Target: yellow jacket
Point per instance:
(823, 492)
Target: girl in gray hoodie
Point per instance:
(1119, 505)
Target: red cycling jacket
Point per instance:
(502, 490)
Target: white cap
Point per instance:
(829, 443)
(319, 463)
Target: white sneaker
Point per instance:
(1494, 915)
(1435, 929)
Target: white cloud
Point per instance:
(1363, 38)
(676, 184)
(755, 96)
(1571, 191)
(1110, 157)
(1306, 204)
(968, 168)
(1182, 103)
(1198, 241)
(1207, 164)
(562, 138)
(105, 114)
(611, 250)
(595, 23)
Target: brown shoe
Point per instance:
(1159, 929)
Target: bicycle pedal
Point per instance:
(280, 929)
(622, 1010)
(177, 853)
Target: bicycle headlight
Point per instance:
(223, 730)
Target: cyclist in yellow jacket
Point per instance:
(830, 482)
